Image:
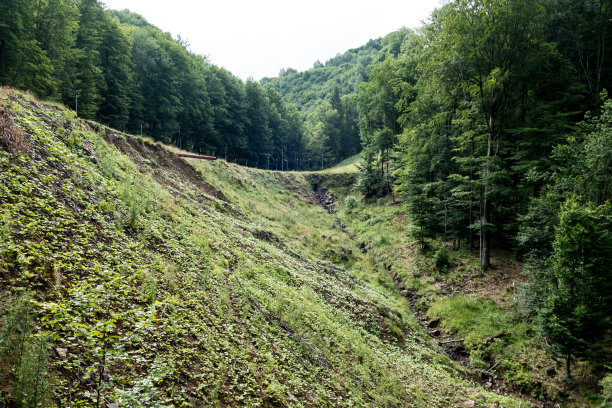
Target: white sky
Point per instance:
(259, 37)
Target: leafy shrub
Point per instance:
(276, 392)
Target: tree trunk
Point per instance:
(485, 260)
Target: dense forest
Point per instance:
(115, 68)
(493, 125)
(326, 95)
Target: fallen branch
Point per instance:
(497, 336)
(451, 341)
(490, 369)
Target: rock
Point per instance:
(434, 323)
(469, 404)
(61, 351)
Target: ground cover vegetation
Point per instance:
(133, 278)
(493, 126)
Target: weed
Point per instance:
(148, 288)
(276, 392)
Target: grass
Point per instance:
(470, 307)
(210, 284)
(475, 319)
(349, 165)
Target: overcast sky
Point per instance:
(259, 37)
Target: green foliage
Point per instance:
(479, 99)
(574, 314)
(24, 356)
(606, 393)
(442, 259)
(231, 290)
(276, 393)
(329, 95)
(569, 239)
(121, 71)
(350, 202)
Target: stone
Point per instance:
(61, 351)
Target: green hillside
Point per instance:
(308, 89)
(134, 278)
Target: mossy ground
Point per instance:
(163, 282)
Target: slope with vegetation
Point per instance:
(132, 277)
(476, 318)
(492, 126)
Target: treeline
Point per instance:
(480, 123)
(129, 75)
(326, 95)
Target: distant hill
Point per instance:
(345, 72)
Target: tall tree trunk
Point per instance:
(485, 260)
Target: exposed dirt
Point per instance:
(329, 201)
(10, 135)
(326, 199)
(166, 167)
(499, 283)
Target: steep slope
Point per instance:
(149, 281)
